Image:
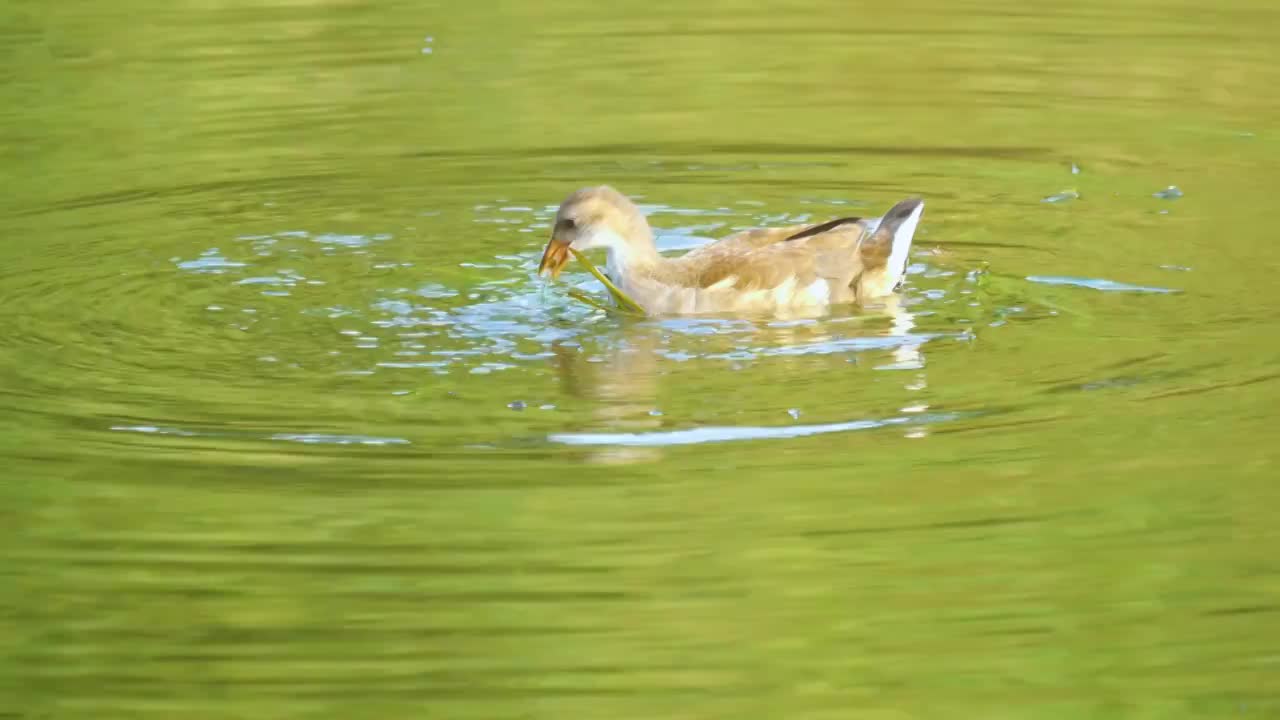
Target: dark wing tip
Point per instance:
(824, 227)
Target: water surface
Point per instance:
(291, 430)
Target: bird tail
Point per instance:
(884, 251)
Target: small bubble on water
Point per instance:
(1063, 196)
(400, 393)
(214, 308)
(655, 413)
(516, 405)
(1075, 169)
(547, 407)
(794, 413)
(1170, 193)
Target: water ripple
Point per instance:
(717, 434)
(304, 438)
(1097, 284)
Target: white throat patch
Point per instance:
(619, 249)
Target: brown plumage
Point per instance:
(768, 269)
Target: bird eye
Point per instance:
(566, 224)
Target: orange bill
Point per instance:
(554, 258)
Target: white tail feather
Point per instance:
(897, 263)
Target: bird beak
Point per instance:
(554, 258)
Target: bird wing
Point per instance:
(766, 258)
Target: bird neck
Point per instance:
(635, 250)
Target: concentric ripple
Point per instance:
(222, 328)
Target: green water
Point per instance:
(291, 430)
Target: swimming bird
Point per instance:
(780, 269)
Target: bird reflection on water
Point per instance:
(624, 383)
